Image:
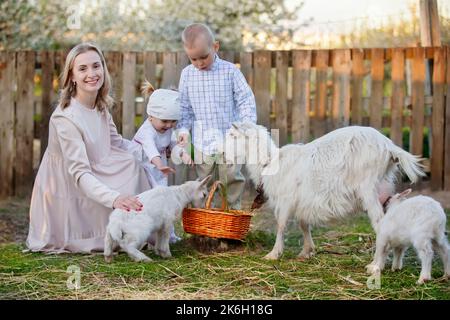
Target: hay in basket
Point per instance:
(220, 223)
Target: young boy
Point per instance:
(214, 93)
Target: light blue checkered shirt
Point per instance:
(212, 100)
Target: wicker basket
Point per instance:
(216, 223)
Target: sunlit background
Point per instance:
(238, 24)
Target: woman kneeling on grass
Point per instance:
(85, 171)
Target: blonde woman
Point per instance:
(85, 171)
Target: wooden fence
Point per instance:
(303, 93)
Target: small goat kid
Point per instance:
(419, 221)
(162, 205)
(346, 170)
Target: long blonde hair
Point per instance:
(69, 90)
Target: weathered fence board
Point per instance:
(150, 67)
(376, 97)
(340, 111)
(447, 126)
(280, 103)
(418, 104)
(114, 63)
(398, 95)
(437, 120)
(262, 70)
(321, 94)
(129, 95)
(246, 62)
(48, 95)
(24, 122)
(358, 72)
(7, 70)
(169, 78)
(301, 65)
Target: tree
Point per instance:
(32, 24)
(146, 25)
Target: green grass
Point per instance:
(335, 272)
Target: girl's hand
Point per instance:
(127, 203)
(166, 170)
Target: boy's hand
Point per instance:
(166, 170)
(186, 158)
(183, 139)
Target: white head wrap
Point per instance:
(164, 104)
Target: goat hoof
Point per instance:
(108, 259)
(144, 260)
(372, 269)
(305, 255)
(423, 280)
(271, 256)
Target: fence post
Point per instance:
(447, 126)
(418, 101)
(246, 61)
(358, 72)
(48, 67)
(301, 63)
(24, 122)
(376, 97)
(7, 68)
(169, 70)
(114, 62)
(280, 103)
(321, 95)
(340, 111)
(437, 120)
(129, 94)
(262, 78)
(398, 95)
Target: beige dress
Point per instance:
(84, 169)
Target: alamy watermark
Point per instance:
(374, 281)
(250, 146)
(73, 17)
(74, 280)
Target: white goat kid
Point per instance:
(161, 206)
(419, 221)
(342, 172)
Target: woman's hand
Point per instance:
(127, 203)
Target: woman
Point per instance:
(85, 171)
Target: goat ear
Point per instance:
(205, 180)
(406, 192)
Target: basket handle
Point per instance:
(224, 206)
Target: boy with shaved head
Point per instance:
(213, 95)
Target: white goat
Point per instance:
(339, 173)
(419, 221)
(161, 206)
